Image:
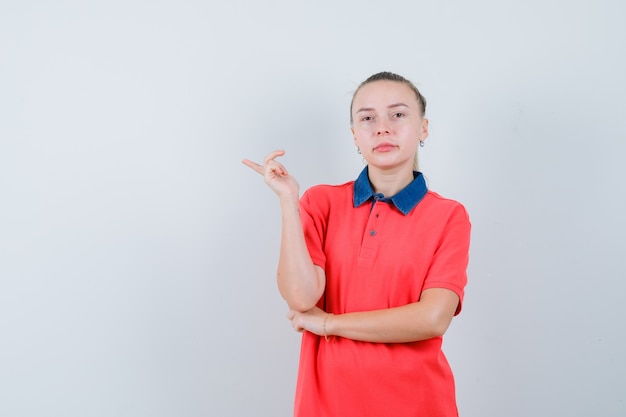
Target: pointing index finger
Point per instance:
(258, 168)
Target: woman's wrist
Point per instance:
(325, 327)
(290, 199)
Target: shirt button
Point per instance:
(372, 232)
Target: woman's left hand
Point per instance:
(311, 321)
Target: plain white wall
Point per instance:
(137, 254)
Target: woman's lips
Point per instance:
(384, 147)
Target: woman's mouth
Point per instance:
(384, 147)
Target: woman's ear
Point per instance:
(424, 132)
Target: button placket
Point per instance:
(371, 240)
(373, 222)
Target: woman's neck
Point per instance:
(389, 182)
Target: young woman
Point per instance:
(373, 270)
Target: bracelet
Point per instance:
(324, 326)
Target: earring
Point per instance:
(358, 151)
(421, 143)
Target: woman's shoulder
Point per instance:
(325, 195)
(441, 199)
(330, 189)
(441, 203)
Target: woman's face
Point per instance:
(388, 124)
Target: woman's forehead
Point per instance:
(385, 92)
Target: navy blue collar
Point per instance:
(404, 201)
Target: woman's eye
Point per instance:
(398, 115)
(366, 118)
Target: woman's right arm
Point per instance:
(300, 282)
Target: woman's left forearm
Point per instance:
(426, 319)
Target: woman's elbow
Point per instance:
(300, 302)
(302, 296)
(439, 325)
(299, 305)
(436, 324)
(439, 306)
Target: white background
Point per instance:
(137, 254)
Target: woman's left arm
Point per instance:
(425, 319)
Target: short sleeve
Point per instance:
(314, 227)
(448, 268)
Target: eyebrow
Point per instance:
(391, 106)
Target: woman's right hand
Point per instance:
(275, 175)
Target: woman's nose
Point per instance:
(382, 128)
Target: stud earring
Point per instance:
(421, 143)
